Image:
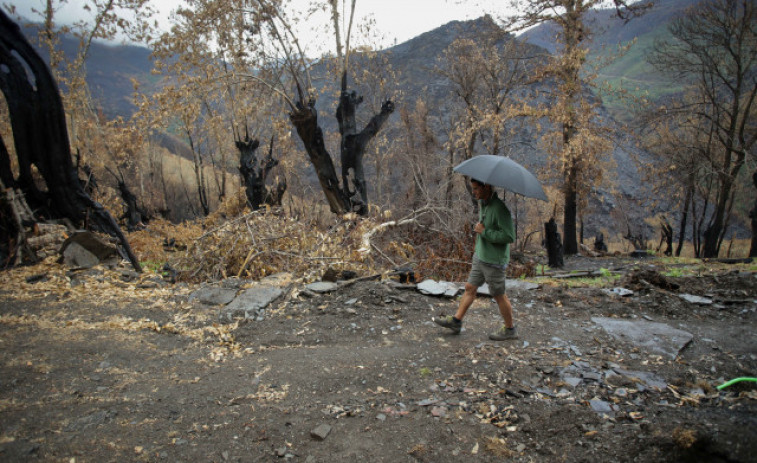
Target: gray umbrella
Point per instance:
(502, 172)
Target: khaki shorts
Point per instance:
(494, 276)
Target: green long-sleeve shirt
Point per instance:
(493, 245)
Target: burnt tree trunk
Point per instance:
(134, 215)
(354, 143)
(254, 176)
(554, 244)
(41, 139)
(684, 219)
(666, 236)
(304, 117)
(570, 194)
(305, 120)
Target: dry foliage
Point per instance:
(497, 446)
(235, 242)
(684, 438)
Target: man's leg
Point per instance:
(505, 309)
(506, 332)
(475, 279)
(456, 323)
(466, 300)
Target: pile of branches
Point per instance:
(256, 244)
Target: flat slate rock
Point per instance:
(322, 287)
(618, 291)
(84, 249)
(438, 288)
(321, 432)
(696, 299)
(521, 285)
(657, 338)
(251, 303)
(214, 295)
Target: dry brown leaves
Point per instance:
(261, 243)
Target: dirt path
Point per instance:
(364, 373)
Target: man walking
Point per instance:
(494, 233)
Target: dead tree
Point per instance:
(354, 143)
(304, 117)
(134, 215)
(554, 244)
(599, 243)
(254, 176)
(666, 236)
(41, 139)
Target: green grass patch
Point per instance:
(153, 266)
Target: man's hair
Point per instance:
(478, 182)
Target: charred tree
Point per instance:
(41, 139)
(254, 176)
(599, 243)
(134, 215)
(666, 236)
(554, 244)
(354, 143)
(304, 117)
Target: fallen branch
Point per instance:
(365, 241)
(355, 280)
(746, 260)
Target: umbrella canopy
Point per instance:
(502, 172)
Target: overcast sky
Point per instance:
(395, 20)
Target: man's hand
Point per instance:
(479, 228)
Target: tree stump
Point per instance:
(41, 140)
(554, 244)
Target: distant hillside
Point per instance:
(110, 70)
(630, 71)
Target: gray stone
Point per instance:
(592, 376)
(600, 406)
(251, 303)
(84, 249)
(438, 288)
(232, 283)
(521, 285)
(572, 381)
(213, 295)
(618, 291)
(699, 300)
(321, 432)
(452, 290)
(75, 255)
(657, 338)
(321, 287)
(439, 412)
(427, 402)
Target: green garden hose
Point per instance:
(734, 381)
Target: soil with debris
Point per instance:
(105, 365)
